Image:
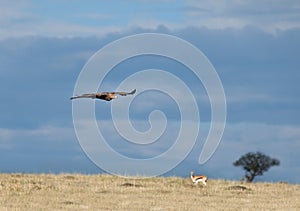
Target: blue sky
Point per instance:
(253, 45)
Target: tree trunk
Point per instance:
(251, 177)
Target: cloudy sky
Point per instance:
(253, 45)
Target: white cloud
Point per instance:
(22, 19)
(6, 134)
(56, 29)
(267, 15)
(262, 137)
(11, 11)
(42, 134)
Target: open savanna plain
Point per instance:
(106, 192)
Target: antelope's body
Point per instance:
(197, 179)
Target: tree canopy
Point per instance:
(255, 164)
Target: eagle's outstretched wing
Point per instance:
(123, 93)
(84, 96)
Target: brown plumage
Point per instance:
(200, 178)
(108, 96)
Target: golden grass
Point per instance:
(105, 192)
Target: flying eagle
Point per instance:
(108, 96)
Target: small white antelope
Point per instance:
(200, 178)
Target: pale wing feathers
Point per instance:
(84, 96)
(122, 93)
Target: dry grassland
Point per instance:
(105, 192)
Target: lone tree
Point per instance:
(255, 164)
